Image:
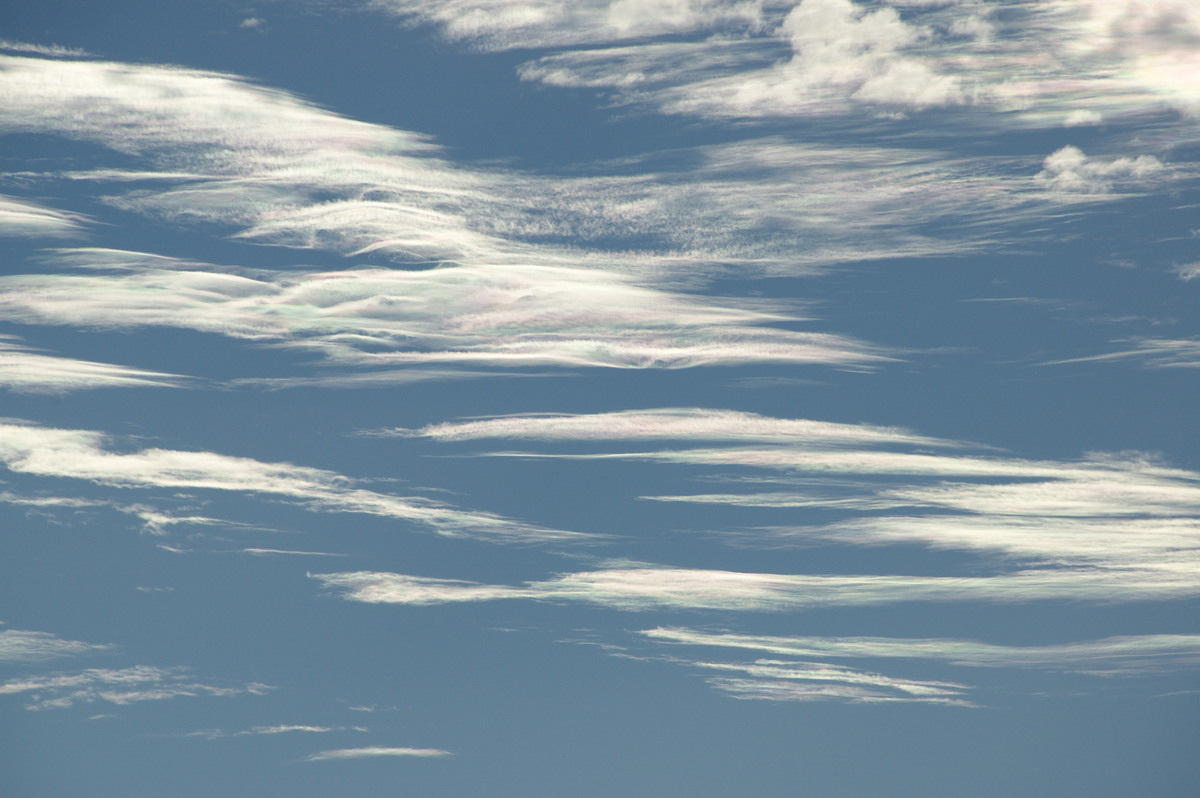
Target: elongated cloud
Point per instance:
(374, 751)
(24, 370)
(20, 217)
(123, 686)
(776, 680)
(669, 423)
(667, 588)
(80, 454)
(1132, 654)
(1151, 352)
(383, 319)
(23, 646)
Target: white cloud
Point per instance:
(374, 751)
(24, 646)
(386, 318)
(669, 588)
(1132, 654)
(284, 728)
(123, 686)
(1152, 352)
(670, 423)
(513, 24)
(775, 680)
(1069, 170)
(21, 217)
(25, 370)
(80, 454)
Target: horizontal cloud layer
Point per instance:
(81, 454)
(26, 370)
(20, 217)
(671, 588)
(123, 686)
(1131, 654)
(373, 751)
(384, 318)
(23, 646)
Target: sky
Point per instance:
(591, 398)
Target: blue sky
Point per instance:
(596, 398)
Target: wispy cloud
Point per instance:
(1125, 655)
(80, 454)
(24, 646)
(646, 588)
(499, 316)
(26, 370)
(777, 680)
(283, 728)
(669, 423)
(1151, 352)
(374, 751)
(122, 686)
(19, 217)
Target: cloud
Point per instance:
(18, 646)
(19, 217)
(1102, 517)
(80, 454)
(52, 50)
(670, 588)
(775, 680)
(1063, 62)
(374, 751)
(1069, 170)
(121, 687)
(381, 319)
(529, 24)
(669, 423)
(1125, 655)
(25, 370)
(286, 728)
(278, 552)
(1152, 352)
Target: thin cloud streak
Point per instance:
(80, 454)
(121, 687)
(778, 680)
(25, 370)
(668, 423)
(18, 646)
(20, 217)
(1124, 655)
(374, 751)
(502, 316)
(668, 588)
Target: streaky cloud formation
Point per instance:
(80, 454)
(1103, 517)
(120, 686)
(1117, 656)
(502, 316)
(779, 680)
(20, 217)
(1163, 353)
(17, 646)
(374, 751)
(669, 423)
(691, 589)
(25, 370)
